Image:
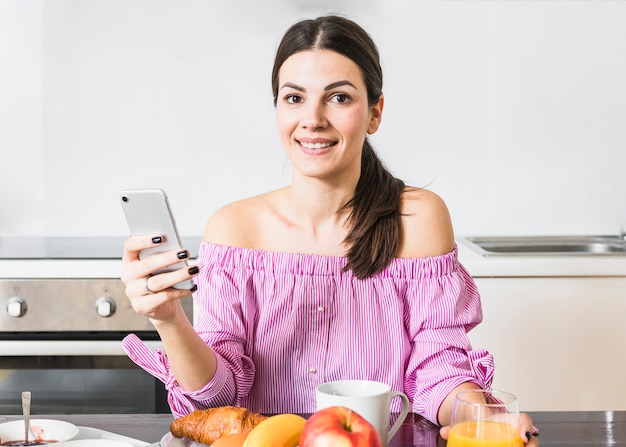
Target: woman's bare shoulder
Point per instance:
(237, 223)
(426, 224)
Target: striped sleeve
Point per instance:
(441, 311)
(181, 402)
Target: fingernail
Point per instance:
(194, 288)
(157, 239)
(182, 254)
(193, 270)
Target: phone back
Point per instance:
(148, 213)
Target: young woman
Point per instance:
(345, 273)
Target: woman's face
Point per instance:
(322, 114)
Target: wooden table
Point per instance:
(572, 429)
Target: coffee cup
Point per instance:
(370, 399)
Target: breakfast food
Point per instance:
(280, 430)
(206, 426)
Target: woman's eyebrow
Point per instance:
(328, 87)
(339, 84)
(293, 86)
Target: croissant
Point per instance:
(206, 426)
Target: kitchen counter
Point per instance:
(572, 429)
(539, 265)
(561, 314)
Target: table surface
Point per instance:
(572, 429)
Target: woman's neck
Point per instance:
(316, 203)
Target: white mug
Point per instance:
(370, 399)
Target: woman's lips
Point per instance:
(316, 147)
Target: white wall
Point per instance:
(513, 110)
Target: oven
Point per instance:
(63, 314)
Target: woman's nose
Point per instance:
(314, 116)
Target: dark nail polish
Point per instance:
(182, 254)
(194, 288)
(157, 239)
(528, 435)
(193, 270)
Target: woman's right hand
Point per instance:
(153, 295)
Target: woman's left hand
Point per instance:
(526, 431)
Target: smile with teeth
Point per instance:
(315, 145)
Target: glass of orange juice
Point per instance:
(485, 418)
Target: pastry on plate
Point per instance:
(206, 426)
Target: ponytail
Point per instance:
(375, 227)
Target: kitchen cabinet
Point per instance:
(559, 342)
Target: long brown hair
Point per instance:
(375, 227)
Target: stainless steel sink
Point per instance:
(547, 245)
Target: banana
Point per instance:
(281, 430)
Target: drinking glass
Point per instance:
(485, 418)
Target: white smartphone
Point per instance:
(148, 212)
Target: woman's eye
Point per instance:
(341, 98)
(293, 99)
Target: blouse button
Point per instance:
(320, 309)
(313, 370)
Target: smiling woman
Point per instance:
(346, 273)
(323, 116)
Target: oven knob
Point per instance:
(16, 307)
(105, 306)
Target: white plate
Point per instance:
(51, 430)
(170, 441)
(92, 443)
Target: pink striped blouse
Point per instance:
(283, 323)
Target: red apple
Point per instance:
(338, 427)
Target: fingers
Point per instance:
(136, 268)
(529, 432)
(533, 442)
(154, 297)
(146, 287)
(531, 438)
(164, 281)
(159, 305)
(134, 244)
(149, 280)
(444, 431)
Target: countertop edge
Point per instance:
(480, 266)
